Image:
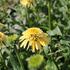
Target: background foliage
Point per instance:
(53, 17)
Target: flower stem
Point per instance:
(26, 9)
(49, 14)
(21, 65)
(50, 26)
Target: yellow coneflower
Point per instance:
(2, 37)
(26, 2)
(35, 38)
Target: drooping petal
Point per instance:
(22, 37)
(24, 43)
(33, 46)
(38, 45)
(42, 42)
(29, 44)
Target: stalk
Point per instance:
(50, 27)
(49, 14)
(21, 65)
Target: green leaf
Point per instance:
(1, 26)
(13, 63)
(50, 65)
(46, 50)
(56, 31)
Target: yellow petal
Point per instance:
(29, 45)
(21, 40)
(22, 37)
(38, 46)
(42, 42)
(24, 43)
(33, 47)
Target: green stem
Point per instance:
(21, 65)
(49, 19)
(49, 14)
(12, 60)
(26, 9)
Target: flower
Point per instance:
(35, 38)
(2, 37)
(26, 2)
(35, 61)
